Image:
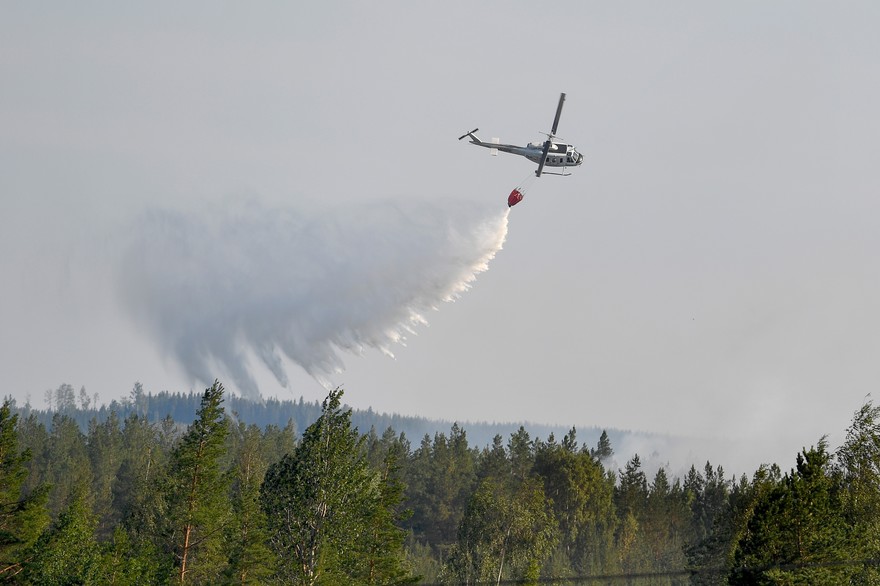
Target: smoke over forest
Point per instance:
(246, 283)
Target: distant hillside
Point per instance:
(655, 450)
(182, 407)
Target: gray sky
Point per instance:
(711, 269)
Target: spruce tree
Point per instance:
(250, 559)
(68, 552)
(797, 531)
(602, 452)
(630, 498)
(104, 445)
(22, 515)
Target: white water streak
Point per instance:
(304, 285)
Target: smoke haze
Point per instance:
(223, 286)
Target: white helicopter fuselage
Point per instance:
(559, 155)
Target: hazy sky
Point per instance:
(711, 270)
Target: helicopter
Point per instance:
(547, 154)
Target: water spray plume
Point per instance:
(298, 285)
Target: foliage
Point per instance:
(68, 552)
(22, 516)
(442, 474)
(196, 494)
(328, 512)
(111, 499)
(507, 532)
(582, 501)
(250, 559)
(859, 466)
(796, 523)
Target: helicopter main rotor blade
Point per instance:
(558, 114)
(543, 157)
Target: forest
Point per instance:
(129, 497)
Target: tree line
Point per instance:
(221, 501)
(181, 407)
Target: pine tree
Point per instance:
(196, 493)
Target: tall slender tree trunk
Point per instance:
(503, 551)
(186, 533)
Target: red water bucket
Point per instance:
(514, 198)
